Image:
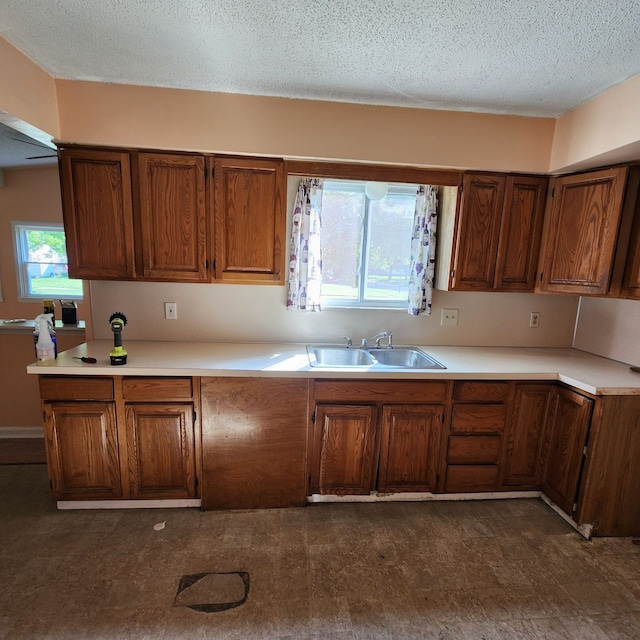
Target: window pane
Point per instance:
(342, 221)
(46, 246)
(52, 280)
(389, 248)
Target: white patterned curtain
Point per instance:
(423, 251)
(305, 258)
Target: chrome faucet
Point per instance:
(379, 336)
(349, 341)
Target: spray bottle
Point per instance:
(52, 333)
(45, 347)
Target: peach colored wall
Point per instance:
(28, 195)
(123, 115)
(605, 130)
(27, 92)
(19, 394)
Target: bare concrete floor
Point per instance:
(499, 569)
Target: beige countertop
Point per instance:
(20, 325)
(579, 369)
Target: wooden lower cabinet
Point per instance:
(347, 449)
(160, 450)
(410, 447)
(100, 446)
(609, 494)
(523, 436)
(475, 440)
(82, 450)
(376, 436)
(564, 446)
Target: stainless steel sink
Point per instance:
(338, 356)
(405, 358)
(377, 358)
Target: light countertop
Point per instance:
(20, 325)
(584, 371)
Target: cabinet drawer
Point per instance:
(396, 391)
(470, 479)
(76, 388)
(473, 449)
(160, 389)
(478, 418)
(468, 391)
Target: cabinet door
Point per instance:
(410, 447)
(582, 232)
(98, 213)
(520, 233)
(82, 450)
(346, 449)
(524, 433)
(161, 452)
(249, 219)
(562, 453)
(477, 232)
(173, 219)
(631, 280)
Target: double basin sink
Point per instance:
(378, 357)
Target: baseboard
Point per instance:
(129, 504)
(21, 432)
(422, 496)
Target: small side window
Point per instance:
(41, 256)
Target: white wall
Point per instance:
(232, 313)
(609, 328)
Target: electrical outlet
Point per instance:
(534, 319)
(449, 318)
(170, 311)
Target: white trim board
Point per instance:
(425, 496)
(128, 504)
(584, 530)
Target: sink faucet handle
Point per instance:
(390, 339)
(349, 341)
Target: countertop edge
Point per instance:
(586, 372)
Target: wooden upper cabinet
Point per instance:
(173, 217)
(581, 232)
(497, 234)
(631, 281)
(98, 214)
(520, 233)
(474, 258)
(249, 219)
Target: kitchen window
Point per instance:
(366, 244)
(41, 260)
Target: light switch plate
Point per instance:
(170, 311)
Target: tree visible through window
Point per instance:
(366, 245)
(41, 256)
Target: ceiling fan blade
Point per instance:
(35, 144)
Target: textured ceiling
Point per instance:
(502, 56)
